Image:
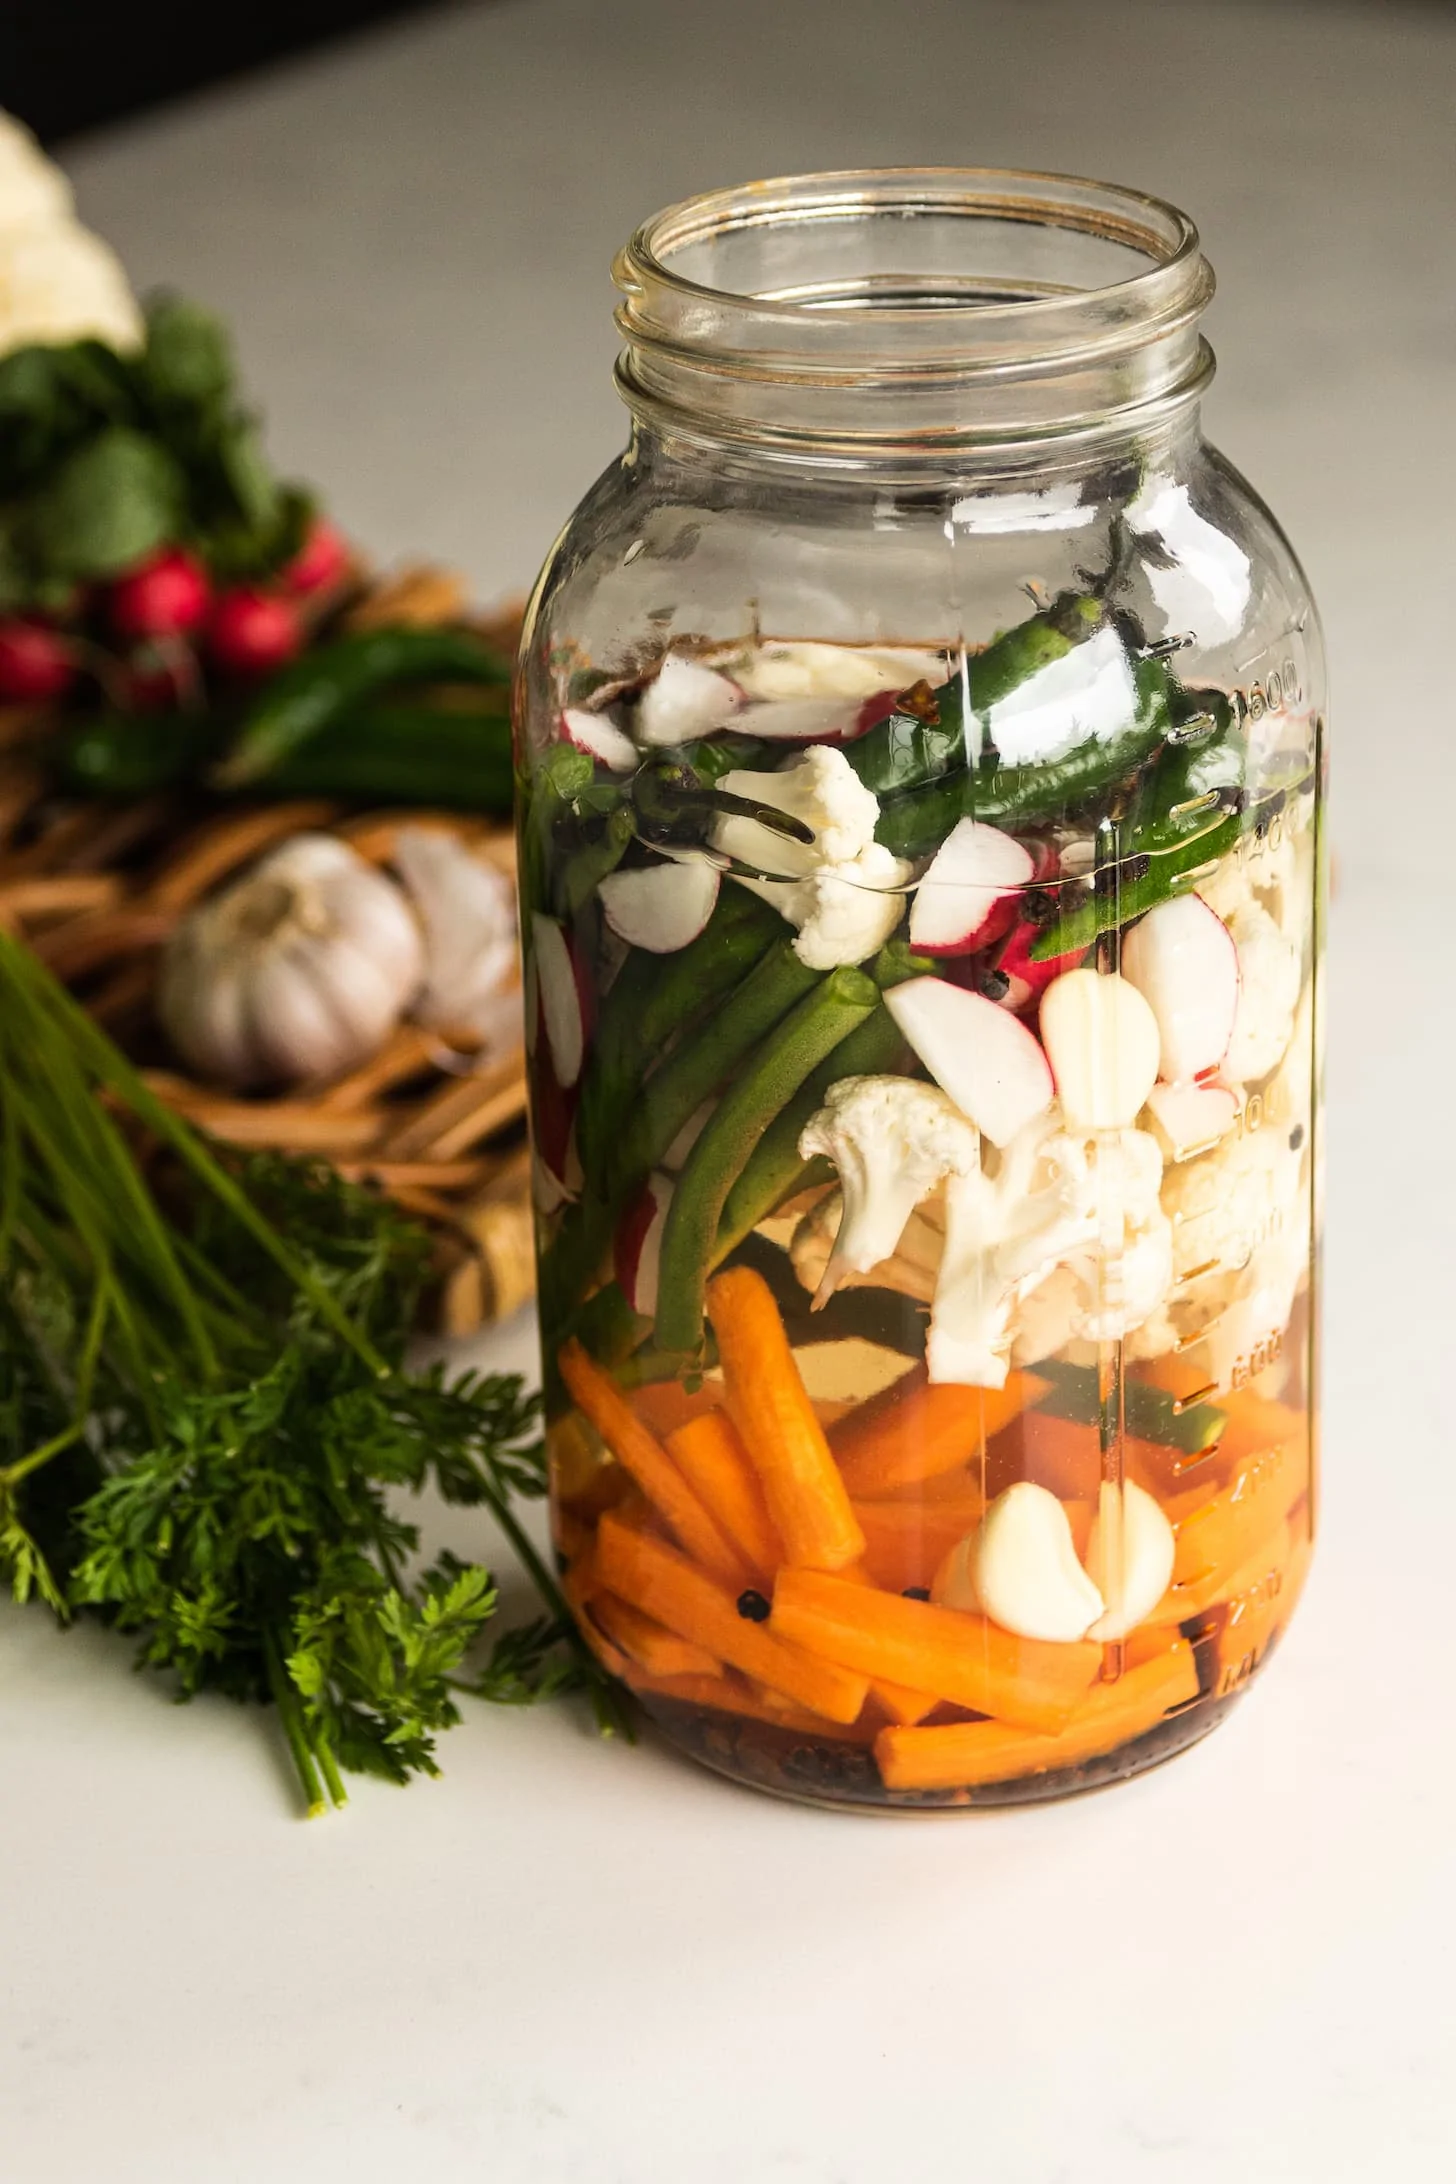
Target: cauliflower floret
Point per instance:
(840, 890)
(892, 1140)
(1065, 1242)
(1269, 982)
(58, 282)
(1087, 1206)
(811, 670)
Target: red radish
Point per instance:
(552, 1115)
(684, 701)
(35, 663)
(600, 737)
(166, 597)
(968, 896)
(563, 1014)
(976, 1051)
(252, 632)
(660, 907)
(321, 560)
(637, 1251)
(1192, 1117)
(1102, 1041)
(1182, 959)
(1027, 978)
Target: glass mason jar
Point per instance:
(920, 747)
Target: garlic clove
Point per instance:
(1102, 1041)
(954, 1583)
(1022, 1563)
(1134, 1571)
(468, 911)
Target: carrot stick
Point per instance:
(961, 1754)
(906, 1542)
(964, 1658)
(770, 1406)
(665, 1586)
(664, 1405)
(729, 1694)
(903, 1707)
(642, 1455)
(1258, 1611)
(649, 1643)
(1261, 1490)
(710, 1454)
(914, 1430)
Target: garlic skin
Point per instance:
(467, 910)
(300, 969)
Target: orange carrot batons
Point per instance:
(665, 1586)
(964, 1658)
(915, 1430)
(961, 1755)
(770, 1406)
(710, 1454)
(643, 1457)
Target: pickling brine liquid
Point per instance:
(927, 1206)
(920, 748)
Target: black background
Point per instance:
(67, 65)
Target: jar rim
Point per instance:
(671, 304)
(978, 298)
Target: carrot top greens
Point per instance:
(205, 1418)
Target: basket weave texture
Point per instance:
(97, 889)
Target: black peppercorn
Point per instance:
(752, 1606)
(916, 1592)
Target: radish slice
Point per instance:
(1182, 959)
(980, 1054)
(1192, 1117)
(686, 700)
(1102, 1041)
(968, 896)
(561, 1005)
(660, 907)
(1028, 977)
(599, 736)
(637, 1251)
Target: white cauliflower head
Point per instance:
(841, 889)
(892, 1140)
(1082, 1209)
(58, 282)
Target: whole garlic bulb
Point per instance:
(468, 912)
(300, 969)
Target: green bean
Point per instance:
(1148, 1413)
(653, 998)
(331, 680)
(905, 752)
(1010, 796)
(839, 1004)
(668, 1100)
(776, 1169)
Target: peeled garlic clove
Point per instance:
(1101, 1038)
(954, 1585)
(1132, 1575)
(1022, 1564)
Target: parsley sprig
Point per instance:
(207, 1427)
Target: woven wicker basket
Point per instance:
(96, 889)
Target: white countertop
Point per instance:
(575, 1961)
